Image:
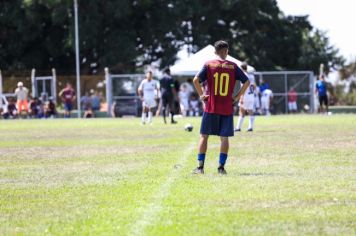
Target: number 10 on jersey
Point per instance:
(221, 84)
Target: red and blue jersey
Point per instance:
(220, 77)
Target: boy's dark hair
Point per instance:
(244, 66)
(167, 71)
(221, 44)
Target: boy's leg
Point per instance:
(252, 120)
(224, 150)
(143, 118)
(203, 146)
(150, 114)
(240, 120)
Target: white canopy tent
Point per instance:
(192, 65)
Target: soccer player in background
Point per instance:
(184, 95)
(247, 102)
(266, 101)
(147, 92)
(220, 76)
(321, 90)
(168, 94)
(68, 96)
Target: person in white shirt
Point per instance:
(22, 98)
(257, 101)
(266, 101)
(194, 105)
(148, 91)
(184, 95)
(188, 85)
(247, 102)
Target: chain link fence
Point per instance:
(281, 82)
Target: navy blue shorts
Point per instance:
(220, 125)
(68, 106)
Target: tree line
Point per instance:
(125, 35)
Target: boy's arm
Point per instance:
(242, 91)
(199, 89)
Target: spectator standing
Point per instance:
(21, 93)
(68, 96)
(292, 101)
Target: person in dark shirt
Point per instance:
(11, 110)
(50, 109)
(34, 108)
(168, 94)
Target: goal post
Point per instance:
(44, 86)
(280, 82)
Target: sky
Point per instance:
(338, 18)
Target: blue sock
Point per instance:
(222, 160)
(201, 159)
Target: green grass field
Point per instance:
(295, 175)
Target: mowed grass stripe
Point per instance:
(153, 209)
(293, 175)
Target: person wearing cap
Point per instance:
(21, 93)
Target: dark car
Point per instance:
(125, 97)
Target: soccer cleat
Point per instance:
(237, 130)
(222, 171)
(249, 130)
(198, 170)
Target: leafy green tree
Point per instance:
(127, 34)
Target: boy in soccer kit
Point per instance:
(147, 91)
(220, 76)
(247, 102)
(266, 101)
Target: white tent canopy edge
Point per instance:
(192, 65)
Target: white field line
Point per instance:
(152, 210)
